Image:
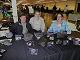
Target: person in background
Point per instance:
(54, 8)
(58, 25)
(38, 8)
(66, 8)
(31, 10)
(4, 11)
(42, 8)
(37, 22)
(25, 9)
(47, 10)
(22, 26)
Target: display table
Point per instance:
(19, 50)
(75, 34)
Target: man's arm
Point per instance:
(12, 28)
(29, 27)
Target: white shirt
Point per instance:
(65, 9)
(37, 23)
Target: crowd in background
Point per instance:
(32, 8)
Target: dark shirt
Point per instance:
(17, 28)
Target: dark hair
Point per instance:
(57, 14)
(36, 11)
(22, 14)
(66, 5)
(60, 14)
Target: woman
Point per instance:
(59, 25)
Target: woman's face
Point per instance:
(59, 17)
(23, 19)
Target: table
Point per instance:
(19, 51)
(75, 34)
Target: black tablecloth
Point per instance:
(68, 52)
(20, 51)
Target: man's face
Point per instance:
(37, 14)
(23, 19)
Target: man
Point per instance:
(22, 27)
(31, 10)
(66, 8)
(37, 23)
(54, 8)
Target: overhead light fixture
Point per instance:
(41, 0)
(6, 3)
(63, 0)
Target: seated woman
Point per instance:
(59, 25)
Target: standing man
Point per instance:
(66, 8)
(37, 23)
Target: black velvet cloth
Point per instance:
(20, 51)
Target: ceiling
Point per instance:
(38, 1)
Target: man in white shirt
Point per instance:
(66, 8)
(37, 23)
